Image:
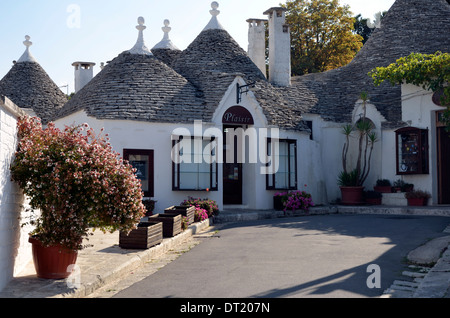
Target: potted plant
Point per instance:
(383, 186)
(149, 206)
(373, 197)
(351, 181)
(407, 187)
(75, 182)
(298, 200)
(279, 199)
(417, 197)
(399, 184)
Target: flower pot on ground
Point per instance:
(278, 200)
(298, 201)
(52, 262)
(352, 195)
(417, 197)
(383, 186)
(373, 197)
(351, 182)
(149, 206)
(75, 182)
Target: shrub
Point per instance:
(200, 214)
(76, 181)
(209, 205)
(298, 200)
(417, 194)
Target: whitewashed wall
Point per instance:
(157, 136)
(418, 110)
(15, 251)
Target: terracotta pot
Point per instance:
(417, 201)
(52, 262)
(352, 195)
(383, 189)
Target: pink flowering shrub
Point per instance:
(200, 214)
(298, 200)
(207, 204)
(77, 181)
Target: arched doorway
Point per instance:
(235, 120)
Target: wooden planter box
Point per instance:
(187, 211)
(147, 234)
(171, 223)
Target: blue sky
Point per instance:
(65, 31)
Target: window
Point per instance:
(142, 160)
(412, 151)
(285, 178)
(194, 164)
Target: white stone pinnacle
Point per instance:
(27, 56)
(166, 43)
(214, 23)
(140, 47)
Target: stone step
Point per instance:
(406, 283)
(413, 274)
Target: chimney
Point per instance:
(279, 47)
(257, 43)
(84, 72)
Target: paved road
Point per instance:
(313, 256)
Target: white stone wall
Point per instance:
(418, 110)
(156, 136)
(15, 251)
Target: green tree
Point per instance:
(430, 71)
(322, 35)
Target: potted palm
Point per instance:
(76, 183)
(351, 181)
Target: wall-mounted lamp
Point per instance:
(241, 90)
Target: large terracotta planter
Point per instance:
(417, 201)
(52, 262)
(352, 195)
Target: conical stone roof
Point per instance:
(137, 87)
(28, 86)
(420, 26)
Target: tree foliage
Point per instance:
(430, 71)
(322, 35)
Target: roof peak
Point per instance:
(140, 47)
(27, 56)
(214, 22)
(166, 43)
